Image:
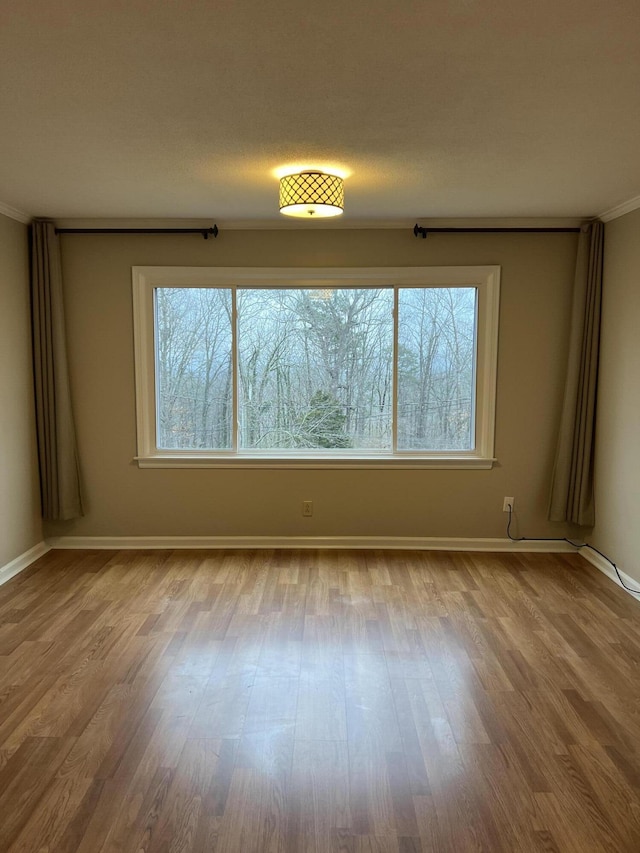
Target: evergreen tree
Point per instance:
(322, 425)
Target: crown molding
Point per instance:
(14, 213)
(620, 209)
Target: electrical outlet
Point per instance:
(307, 508)
(508, 502)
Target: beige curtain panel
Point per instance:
(572, 486)
(59, 470)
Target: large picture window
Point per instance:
(316, 367)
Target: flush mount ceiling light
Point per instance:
(311, 195)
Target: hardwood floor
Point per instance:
(387, 702)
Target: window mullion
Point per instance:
(235, 443)
(153, 380)
(394, 380)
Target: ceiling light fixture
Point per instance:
(311, 195)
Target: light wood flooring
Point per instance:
(298, 701)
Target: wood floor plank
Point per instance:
(318, 702)
(24, 780)
(319, 795)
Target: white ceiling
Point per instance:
(455, 108)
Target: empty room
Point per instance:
(319, 443)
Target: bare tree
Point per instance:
(315, 367)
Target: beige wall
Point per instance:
(617, 476)
(537, 273)
(20, 525)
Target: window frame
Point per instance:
(145, 279)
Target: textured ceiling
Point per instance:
(433, 109)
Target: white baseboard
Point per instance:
(15, 566)
(606, 568)
(305, 542)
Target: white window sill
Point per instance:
(409, 461)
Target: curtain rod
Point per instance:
(422, 232)
(204, 231)
(417, 230)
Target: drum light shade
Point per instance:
(311, 194)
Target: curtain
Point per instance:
(572, 486)
(58, 458)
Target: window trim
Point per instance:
(146, 278)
